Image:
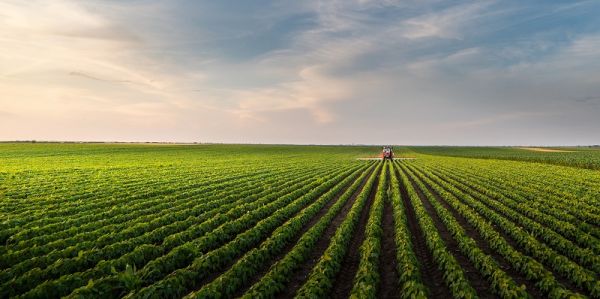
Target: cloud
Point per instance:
(447, 23)
(215, 71)
(311, 91)
(46, 46)
(5, 114)
(588, 99)
(494, 120)
(88, 76)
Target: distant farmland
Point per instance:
(267, 221)
(583, 157)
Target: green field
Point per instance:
(281, 221)
(583, 157)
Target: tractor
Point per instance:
(388, 153)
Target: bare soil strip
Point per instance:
(388, 264)
(313, 220)
(545, 150)
(345, 278)
(301, 274)
(431, 276)
(480, 284)
(519, 278)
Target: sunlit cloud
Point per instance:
(306, 72)
(447, 23)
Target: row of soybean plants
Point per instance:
(232, 243)
(574, 190)
(82, 258)
(158, 173)
(322, 276)
(243, 271)
(574, 157)
(501, 283)
(279, 273)
(75, 230)
(75, 279)
(32, 222)
(102, 200)
(99, 233)
(454, 276)
(563, 205)
(560, 235)
(182, 254)
(138, 251)
(139, 230)
(524, 234)
(572, 187)
(46, 213)
(410, 285)
(566, 178)
(479, 216)
(536, 204)
(367, 277)
(62, 188)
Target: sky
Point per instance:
(308, 72)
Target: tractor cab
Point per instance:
(388, 153)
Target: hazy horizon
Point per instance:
(478, 73)
(291, 144)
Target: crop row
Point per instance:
(115, 250)
(366, 280)
(502, 284)
(147, 186)
(535, 185)
(535, 199)
(320, 279)
(98, 194)
(247, 266)
(122, 212)
(409, 281)
(276, 279)
(181, 281)
(454, 277)
(101, 210)
(162, 223)
(546, 227)
(527, 243)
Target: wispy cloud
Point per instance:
(88, 76)
(588, 99)
(480, 122)
(447, 23)
(310, 70)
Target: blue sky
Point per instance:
(382, 72)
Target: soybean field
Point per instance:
(283, 221)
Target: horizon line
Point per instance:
(296, 144)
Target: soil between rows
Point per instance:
(519, 278)
(388, 264)
(431, 276)
(480, 284)
(345, 277)
(341, 215)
